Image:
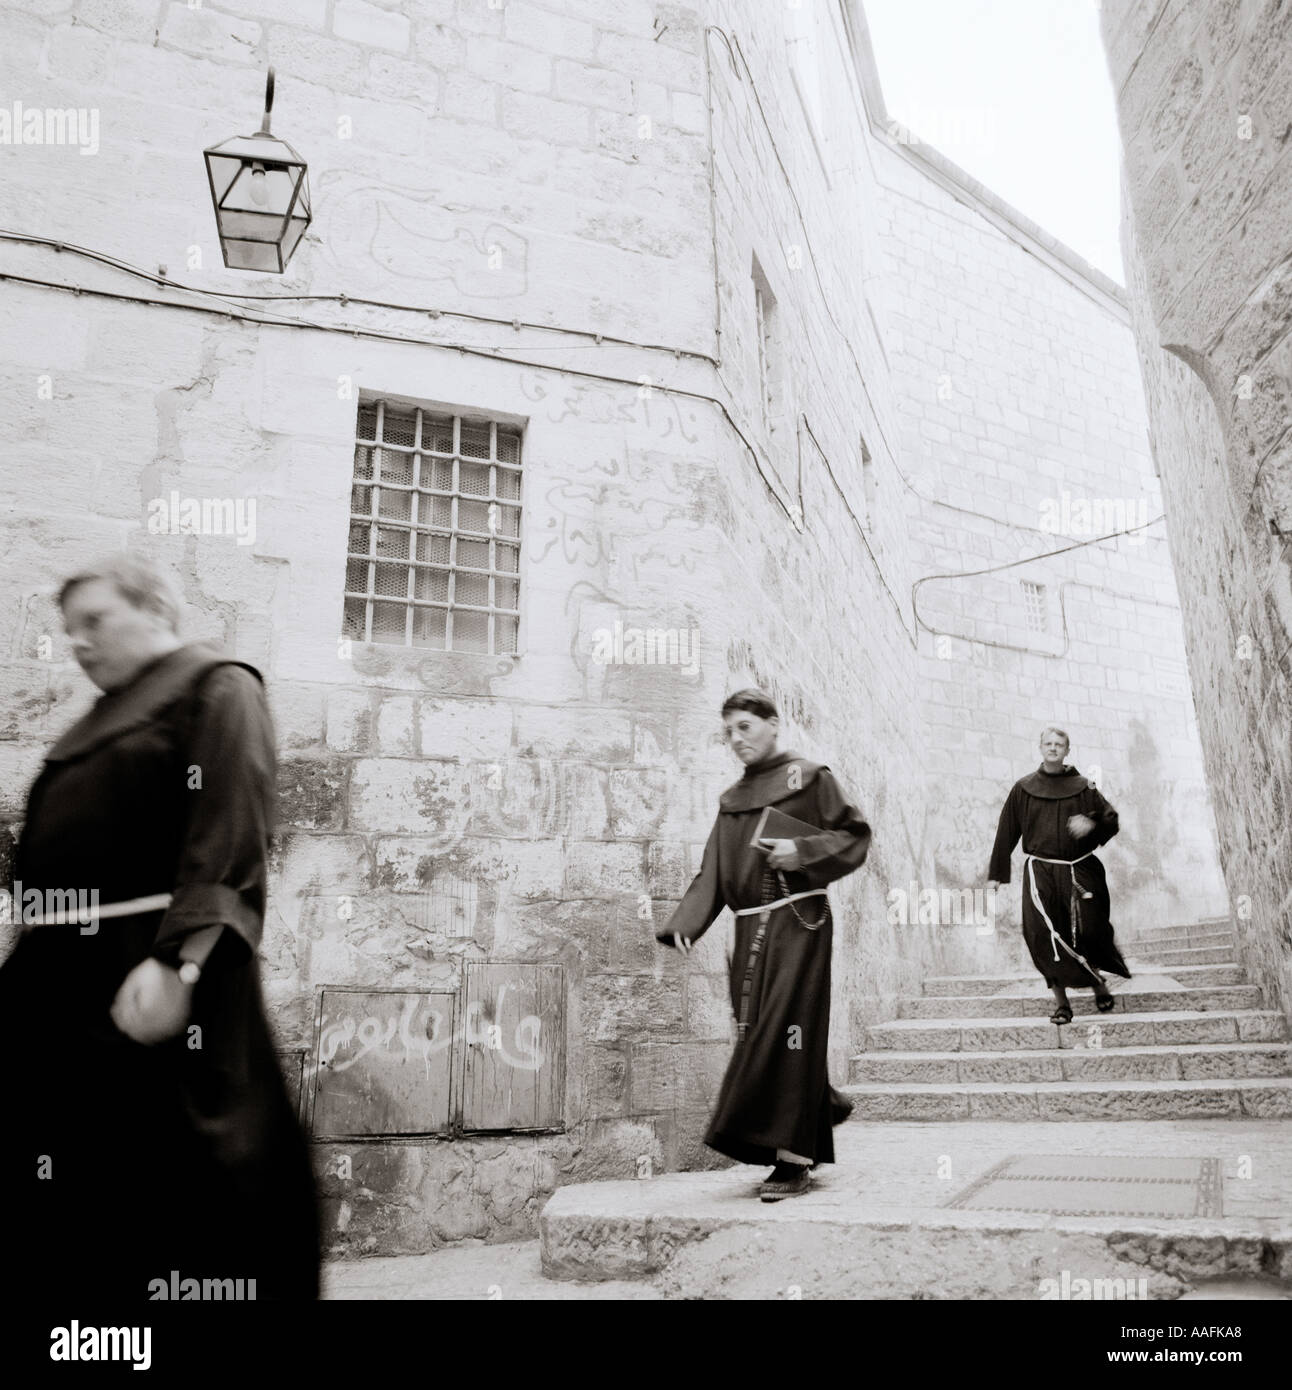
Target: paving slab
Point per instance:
(877, 1225)
(466, 1270)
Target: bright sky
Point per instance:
(1017, 93)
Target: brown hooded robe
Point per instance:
(122, 1161)
(776, 1094)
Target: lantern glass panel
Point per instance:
(270, 191)
(252, 255)
(258, 232)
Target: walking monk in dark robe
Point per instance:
(1062, 820)
(150, 1148)
(776, 1104)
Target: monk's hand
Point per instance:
(992, 885)
(1079, 826)
(681, 943)
(152, 1004)
(781, 854)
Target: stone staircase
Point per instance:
(1187, 1080)
(1189, 1039)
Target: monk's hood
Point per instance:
(781, 776)
(157, 686)
(1053, 786)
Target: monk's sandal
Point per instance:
(785, 1180)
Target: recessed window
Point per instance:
(868, 485)
(805, 67)
(1034, 607)
(435, 517)
(770, 367)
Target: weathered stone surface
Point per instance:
(1008, 1067)
(349, 721)
(311, 793)
(408, 796)
(628, 1006)
(888, 1067)
(708, 1007)
(1140, 1064)
(603, 870)
(1201, 1064)
(1212, 290)
(594, 735)
(981, 1036)
(1221, 1028)
(1225, 998)
(607, 1081)
(1261, 1027)
(877, 1225)
(1132, 1101)
(522, 805)
(472, 730)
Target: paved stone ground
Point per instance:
(469, 1270)
(891, 1180)
(876, 1224)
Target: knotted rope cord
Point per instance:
(772, 881)
(1074, 907)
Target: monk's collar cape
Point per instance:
(772, 780)
(1053, 786)
(158, 685)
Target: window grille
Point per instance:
(434, 552)
(1034, 607)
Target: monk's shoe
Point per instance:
(786, 1180)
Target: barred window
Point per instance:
(1034, 607)
(434, 552)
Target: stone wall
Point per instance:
(1204, 101)
(555, 216)
(1024, 433)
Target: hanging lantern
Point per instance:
(262, 204)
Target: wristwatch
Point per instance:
(190, 972)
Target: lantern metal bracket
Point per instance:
(269, 103)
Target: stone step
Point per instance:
(878, 1224)
(1194, 935)
(1182, 1062)
(1192, 976)
(1164, 1028)
(1129, 1000)
(1192, 955)
(1217, 936)
(1255, 1098)
(957, 986)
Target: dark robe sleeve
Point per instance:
(1105, 819)
(844, 841)
(703, 900)
(1008, 831)
(221, 873)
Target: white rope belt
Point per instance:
(129, 908)
(1055, 938)
(780, 902)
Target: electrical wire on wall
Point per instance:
(734, 48)
(269, 319)
(1066, 584)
